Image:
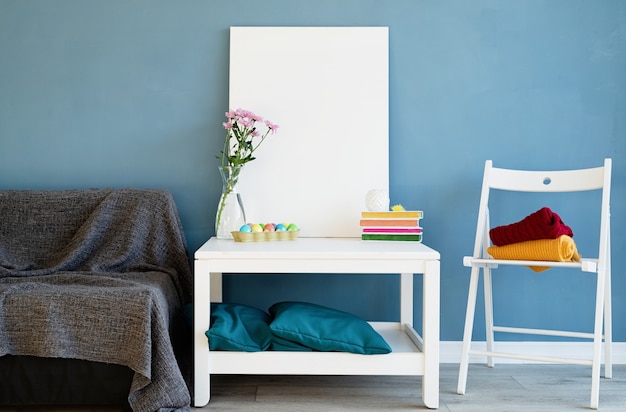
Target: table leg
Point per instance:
(201, 323)
(430, 332)
(406, 299)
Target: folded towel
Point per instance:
(561, 249)
(542, 224)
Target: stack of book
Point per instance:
(401, 225)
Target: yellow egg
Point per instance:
(257, 228)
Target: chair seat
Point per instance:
(586, 264)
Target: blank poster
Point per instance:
(328, 90)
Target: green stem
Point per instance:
(223, 202)
(230, 176)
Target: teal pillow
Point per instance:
(324, 329)
(238, 327)
(284, 345)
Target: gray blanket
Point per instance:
(98, 275)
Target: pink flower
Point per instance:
(241, 128)
(271, 126)
(245, 122)
(243, 113)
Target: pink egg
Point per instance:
(269, 227)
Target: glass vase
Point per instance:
(230, 212)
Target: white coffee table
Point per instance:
(411, 354)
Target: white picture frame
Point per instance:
(328, 90)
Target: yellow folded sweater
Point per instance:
(561, 249)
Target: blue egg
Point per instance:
(245, 228)
(280, 227)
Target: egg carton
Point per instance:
(265, 236)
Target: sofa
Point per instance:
(92, 288)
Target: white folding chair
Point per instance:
(598, 178)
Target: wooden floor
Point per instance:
(505, 388)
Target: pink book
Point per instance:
(389, 222)
(391, 230)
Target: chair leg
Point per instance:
(597, 340)
(608, 326)
(595, 377)
(467, 334)
(488, 314)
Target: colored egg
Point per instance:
(257, 228)
(269, 227)
(245, 228)
(280, 227)
(292, 226)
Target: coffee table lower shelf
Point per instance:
(406, 358)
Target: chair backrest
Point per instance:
(598, 178)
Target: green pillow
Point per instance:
(324, 329)
(238, 327)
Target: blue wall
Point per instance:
(117, 93)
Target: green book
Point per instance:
(396, 237)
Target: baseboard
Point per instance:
(450, 351)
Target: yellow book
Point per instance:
(404, 214)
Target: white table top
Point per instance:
(316, 248)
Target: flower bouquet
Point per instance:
(243, 138)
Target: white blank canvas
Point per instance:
(327, 89)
